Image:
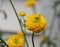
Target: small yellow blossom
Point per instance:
(21, 13)
(15, 41)
(35, 22)
(30, 3)
(20, 33)
(30, 0)
(43, 38)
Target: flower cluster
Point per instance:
(34, 22)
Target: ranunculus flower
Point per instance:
(15, 41)
(35, 22)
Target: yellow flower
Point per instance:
(15, 41)
(30, 3)
(30, 0)
(20, 33)
(35, 22)
(43, 38)
(21, 13)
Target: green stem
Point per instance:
(24, 26)
(33, 39)
(3, 41)
(20, 22)
(48, 44)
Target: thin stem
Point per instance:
(48, 44)
(33, 39)
(3, 41)
(20, 22)
(24, 26)
(34, 10)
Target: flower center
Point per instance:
(36, 19)
(15, 40)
